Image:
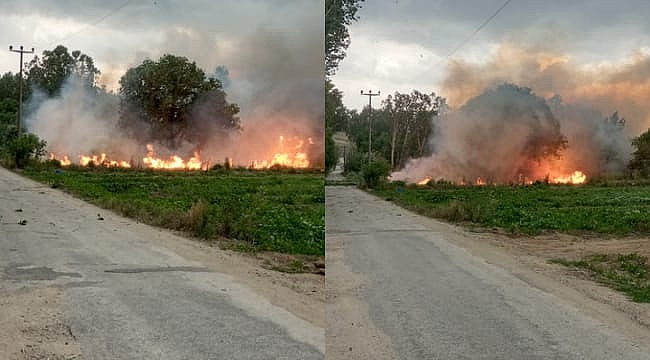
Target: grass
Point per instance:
(275, 210)
(628, 273)
(618, 210)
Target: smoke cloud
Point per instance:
(491, 141)
(274, 74)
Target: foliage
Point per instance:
(270, 210)
(337, 116)
(331, 154)
(376, 172)
(354, 161)
(640, 163)
(629, 273)
(50, 71)
(412, 119)
(165, 96)
(618, 209)
(25, 147)
(8, 107)
(339, 14)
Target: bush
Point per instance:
(354, 161)
(25, 147)
(375, 172)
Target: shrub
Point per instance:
(375, 172)
(25, 147)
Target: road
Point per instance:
(79, 282)
(401, 286)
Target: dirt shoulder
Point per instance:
(536, 251)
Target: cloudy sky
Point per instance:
(401, 45)
(268, 45)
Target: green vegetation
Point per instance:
(609, 209)
(375, 172)
(281, 210)
(629, 273)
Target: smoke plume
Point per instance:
(587, 103)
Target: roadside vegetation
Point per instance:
(628, 273)
(277, 210)
(620, 209)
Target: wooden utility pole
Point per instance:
(370, 94)
(20, 99)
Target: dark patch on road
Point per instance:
(28, 272)
(157, 269)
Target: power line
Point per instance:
(487, 21)
(96, 22)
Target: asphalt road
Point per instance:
(124, 296)
(400, 286)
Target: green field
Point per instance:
(615, 209)
(275, 210)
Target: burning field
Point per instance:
(83, 128)
(530, 114)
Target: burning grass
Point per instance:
(531, 209)
(281, 210)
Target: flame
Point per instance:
(292, 157)
(289, 153)
(424, 181)
(173, 162)
(577, 177)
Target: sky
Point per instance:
(401, 45)
(267, 45)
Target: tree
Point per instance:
(500, 105)
(25, 147)
(640, 162)
(339, 14)
(49, 72)
(331, 155)
(171, 100)
(336, 114)
(8, 107)
(412, 117)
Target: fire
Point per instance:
(577, 177)
(173, 162)
(289, 155)
(424, 181)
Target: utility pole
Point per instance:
(370, 94)
(20, 100)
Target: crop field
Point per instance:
(621, 209)
(274, 210)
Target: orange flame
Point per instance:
(292, 157)
(424, 181)
(578, 177)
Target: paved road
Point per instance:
(121, 295)
(400, 287)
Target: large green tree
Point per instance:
(171, 100)
(339, 14)
(54, 67)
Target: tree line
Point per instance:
(169, 100)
